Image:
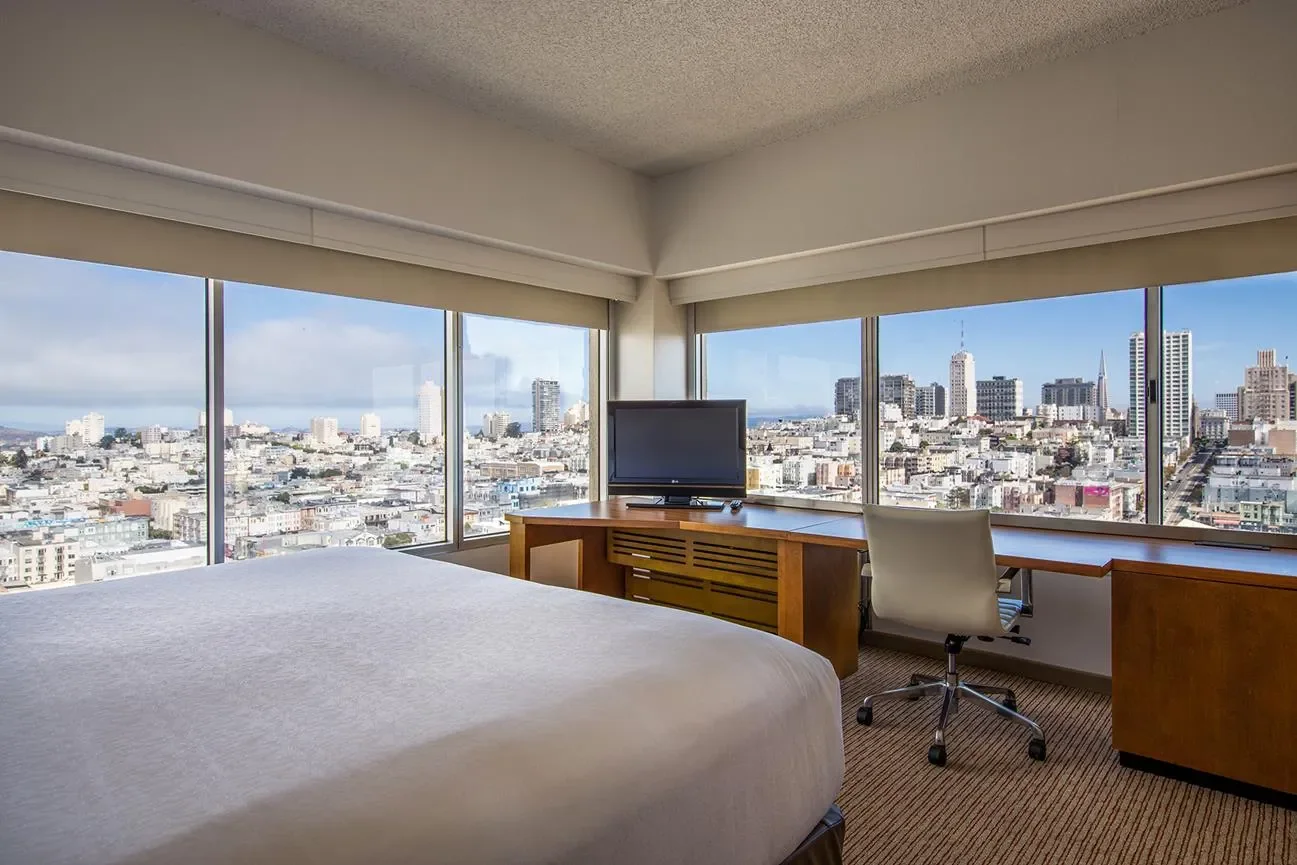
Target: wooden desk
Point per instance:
(747, 567)
(1201, 635)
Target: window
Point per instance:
(1230, 404)
(334, 421)
(1015, 407)
(802, 386)
(102, 377)
(527, 418)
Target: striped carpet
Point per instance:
(992, 805)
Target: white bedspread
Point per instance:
(368, 707)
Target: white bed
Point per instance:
(342, 707)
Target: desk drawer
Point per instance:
(755, 609)
(748, 563)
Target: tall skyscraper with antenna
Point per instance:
(1101, 388)
(963, 381)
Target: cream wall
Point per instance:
(651, 348)
(176, 86)
(1197, 102)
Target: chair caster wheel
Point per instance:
(1010, 703)
(914, 683)
(865, 715)
(937, 755)
(1036, 750)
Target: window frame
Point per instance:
(1154, 474)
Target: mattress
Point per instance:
(350, 706)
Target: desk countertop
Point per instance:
(1079, 553)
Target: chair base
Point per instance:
(951, 689)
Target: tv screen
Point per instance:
(677, 448)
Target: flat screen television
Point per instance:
(679, 450)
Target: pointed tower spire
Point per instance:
(1101, 388)
(961, 334)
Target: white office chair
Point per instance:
(935, 570)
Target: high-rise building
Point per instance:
(371, 427)
(430, 412)
(325, 430)
(930, 400)
(963, 384)
(897, 390)
(229, 419)
(1177, 385)
(73, 427)
(577, 413)
(545, 413)
(495, 424)
(846, 397)
(1069, 391)
(1265, 389)
(92, 428)
(152, 434)
(1229, 403)
(1101, 388)
(999, 398)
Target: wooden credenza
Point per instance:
(1203, 675)
(748, 567)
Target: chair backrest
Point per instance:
(933, 569)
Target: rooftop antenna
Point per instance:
(961, 334)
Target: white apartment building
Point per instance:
(430, 412)
(545, 413)
(92, 428)
(371, 426)
(495, 424)
(1214, 423)
(577, 414)
(1177, 385)
(325, 430)
(963, 387)
(43, 560)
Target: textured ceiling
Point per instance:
(659, 85)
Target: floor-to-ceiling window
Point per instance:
(802, 384)
(335, 430)
(1021, 408)
(1230, 404)
(102, 461)
(527, 417)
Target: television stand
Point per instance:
(678, 502)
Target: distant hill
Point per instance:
(11, 436)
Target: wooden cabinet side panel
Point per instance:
(1203, 676)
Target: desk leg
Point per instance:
(594, 572)
(519, 552)
(790, 593)
(819, 601)
(831, 605)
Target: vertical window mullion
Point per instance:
(1153, 402)
(869, 417)
(597, 396)
(215, 408)
(454, 440)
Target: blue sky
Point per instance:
(78, 337)
(791, 370)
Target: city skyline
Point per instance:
(1038, 341)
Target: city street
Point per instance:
(1182, 490)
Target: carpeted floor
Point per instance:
(992, 805)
